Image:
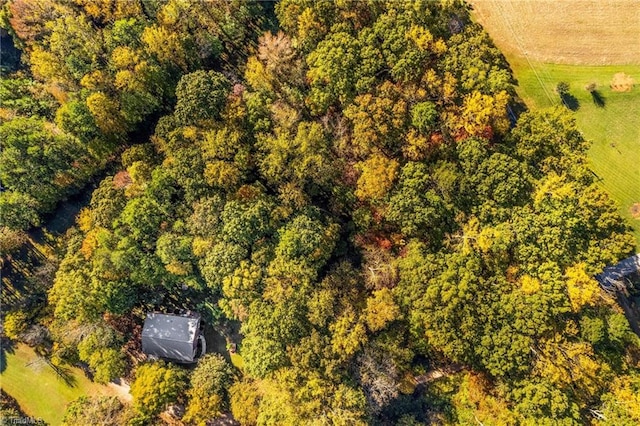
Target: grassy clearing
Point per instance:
(39, 391)
(589, 32)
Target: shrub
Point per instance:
(622, 82)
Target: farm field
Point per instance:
(39, 391)
(613, 123)
(586, 32)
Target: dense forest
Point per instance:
(349, 190)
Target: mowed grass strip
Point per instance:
(37, 388)
(589, 32)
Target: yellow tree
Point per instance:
(245, 397)
(348, 334)
(583, 289)
(621, 405)
(569, 364)
(377, 175)
(379, 121)
(481, 112)
(106, 113)
(111, 10)
(165, 45)
(381, 310)
(157, 385)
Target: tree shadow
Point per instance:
(64, 373)
(598, 99)
(570, 101)
(6, 346)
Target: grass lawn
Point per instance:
(39, 391)
(613, 128)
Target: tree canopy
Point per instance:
(341, 184)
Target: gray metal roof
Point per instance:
(613, 276)
(170, 336)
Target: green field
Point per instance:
(40, 392)
(613, 129)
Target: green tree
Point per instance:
(415, 207)
(424, 116)
(39, 163)
(201, 96)
(175, 252)
(549, 139)
(562, 88)
(25, 97)
(268, 330)
(404, 44)
(108, 364)
(244, 223)
(220, 262)
(99, 350)
(620, 406)
(75, 118)
(72, 294)
(306, 242)
(18, 211)
(107, 201)
(141, 218)
(207, 393)
(333, 71)
(156, 385)
(476, 63)
(542, 402)
(245, 400)
(107, 411)
(297, 399)
(240, 289)
(304, 160)
(75, 45)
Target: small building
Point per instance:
(616, 278)
(173, 337)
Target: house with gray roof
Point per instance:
(173, 337)
(615, 278)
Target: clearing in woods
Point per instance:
(581, 42)
(40, 392)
